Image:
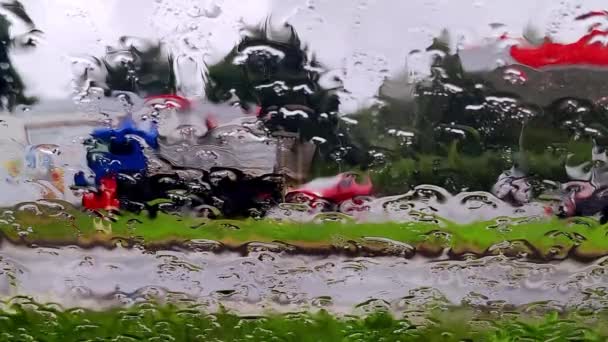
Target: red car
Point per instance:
(335, 189)
(590, 50)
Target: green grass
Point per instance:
(545, 238)
(23, 320)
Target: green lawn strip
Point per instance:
(542, 235)
(24, 320)
(548, 236)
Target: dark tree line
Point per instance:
(455, 128)
(467, 128)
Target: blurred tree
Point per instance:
(140, 66)
(457, 130)
(12, 88)
(271, 68)
(137, 65)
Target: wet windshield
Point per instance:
(381, 168)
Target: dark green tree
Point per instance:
(12, 88)
(137, 65)
(272, 69)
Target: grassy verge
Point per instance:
(28, 321)
(537, 238)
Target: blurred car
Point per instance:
(542, 71)
(221, 160)
(328, 192)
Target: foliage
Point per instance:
(12, 88)
(136, 65)
(271, 68)
(24, 320)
